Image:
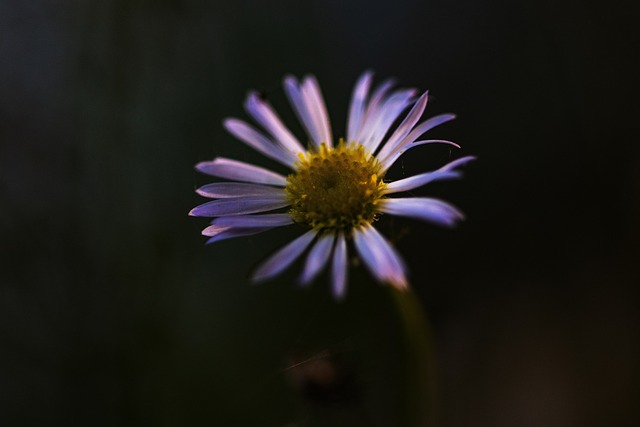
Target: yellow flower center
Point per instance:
(336, 189)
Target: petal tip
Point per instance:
(310, 78)
(228, 122)
(290, 80)
(259, 278)
(340, 296)
(400, 283)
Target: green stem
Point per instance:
(417, 405)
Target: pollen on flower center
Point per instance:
(336, 188)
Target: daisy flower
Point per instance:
(336, 189)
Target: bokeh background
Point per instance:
(113, 312)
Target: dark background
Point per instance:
(113, 312)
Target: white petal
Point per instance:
(297, 100)
(253, 221)
(317, 258)
(214, 230)
(240, 206)
(429, 124)
(378, 96)
(222, 233)
(371, 112)
(223, 190)
(245, 225)
(339, 268)
(375, 129)
(240, 171)
(284, 257)
(259, 142)
(367, 253)
(424, 208)
(317, 109)
(264, 114)
(458, 162)
(379, 257)
(406, 126)
(416, 181)
(429, 141)
(357, 106)
(397, 268)
(386, 153)
(387, 162)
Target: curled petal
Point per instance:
(396, 146)
(391, 159)
(406, 126)
(429, 124)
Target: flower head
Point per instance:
(335, 190)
